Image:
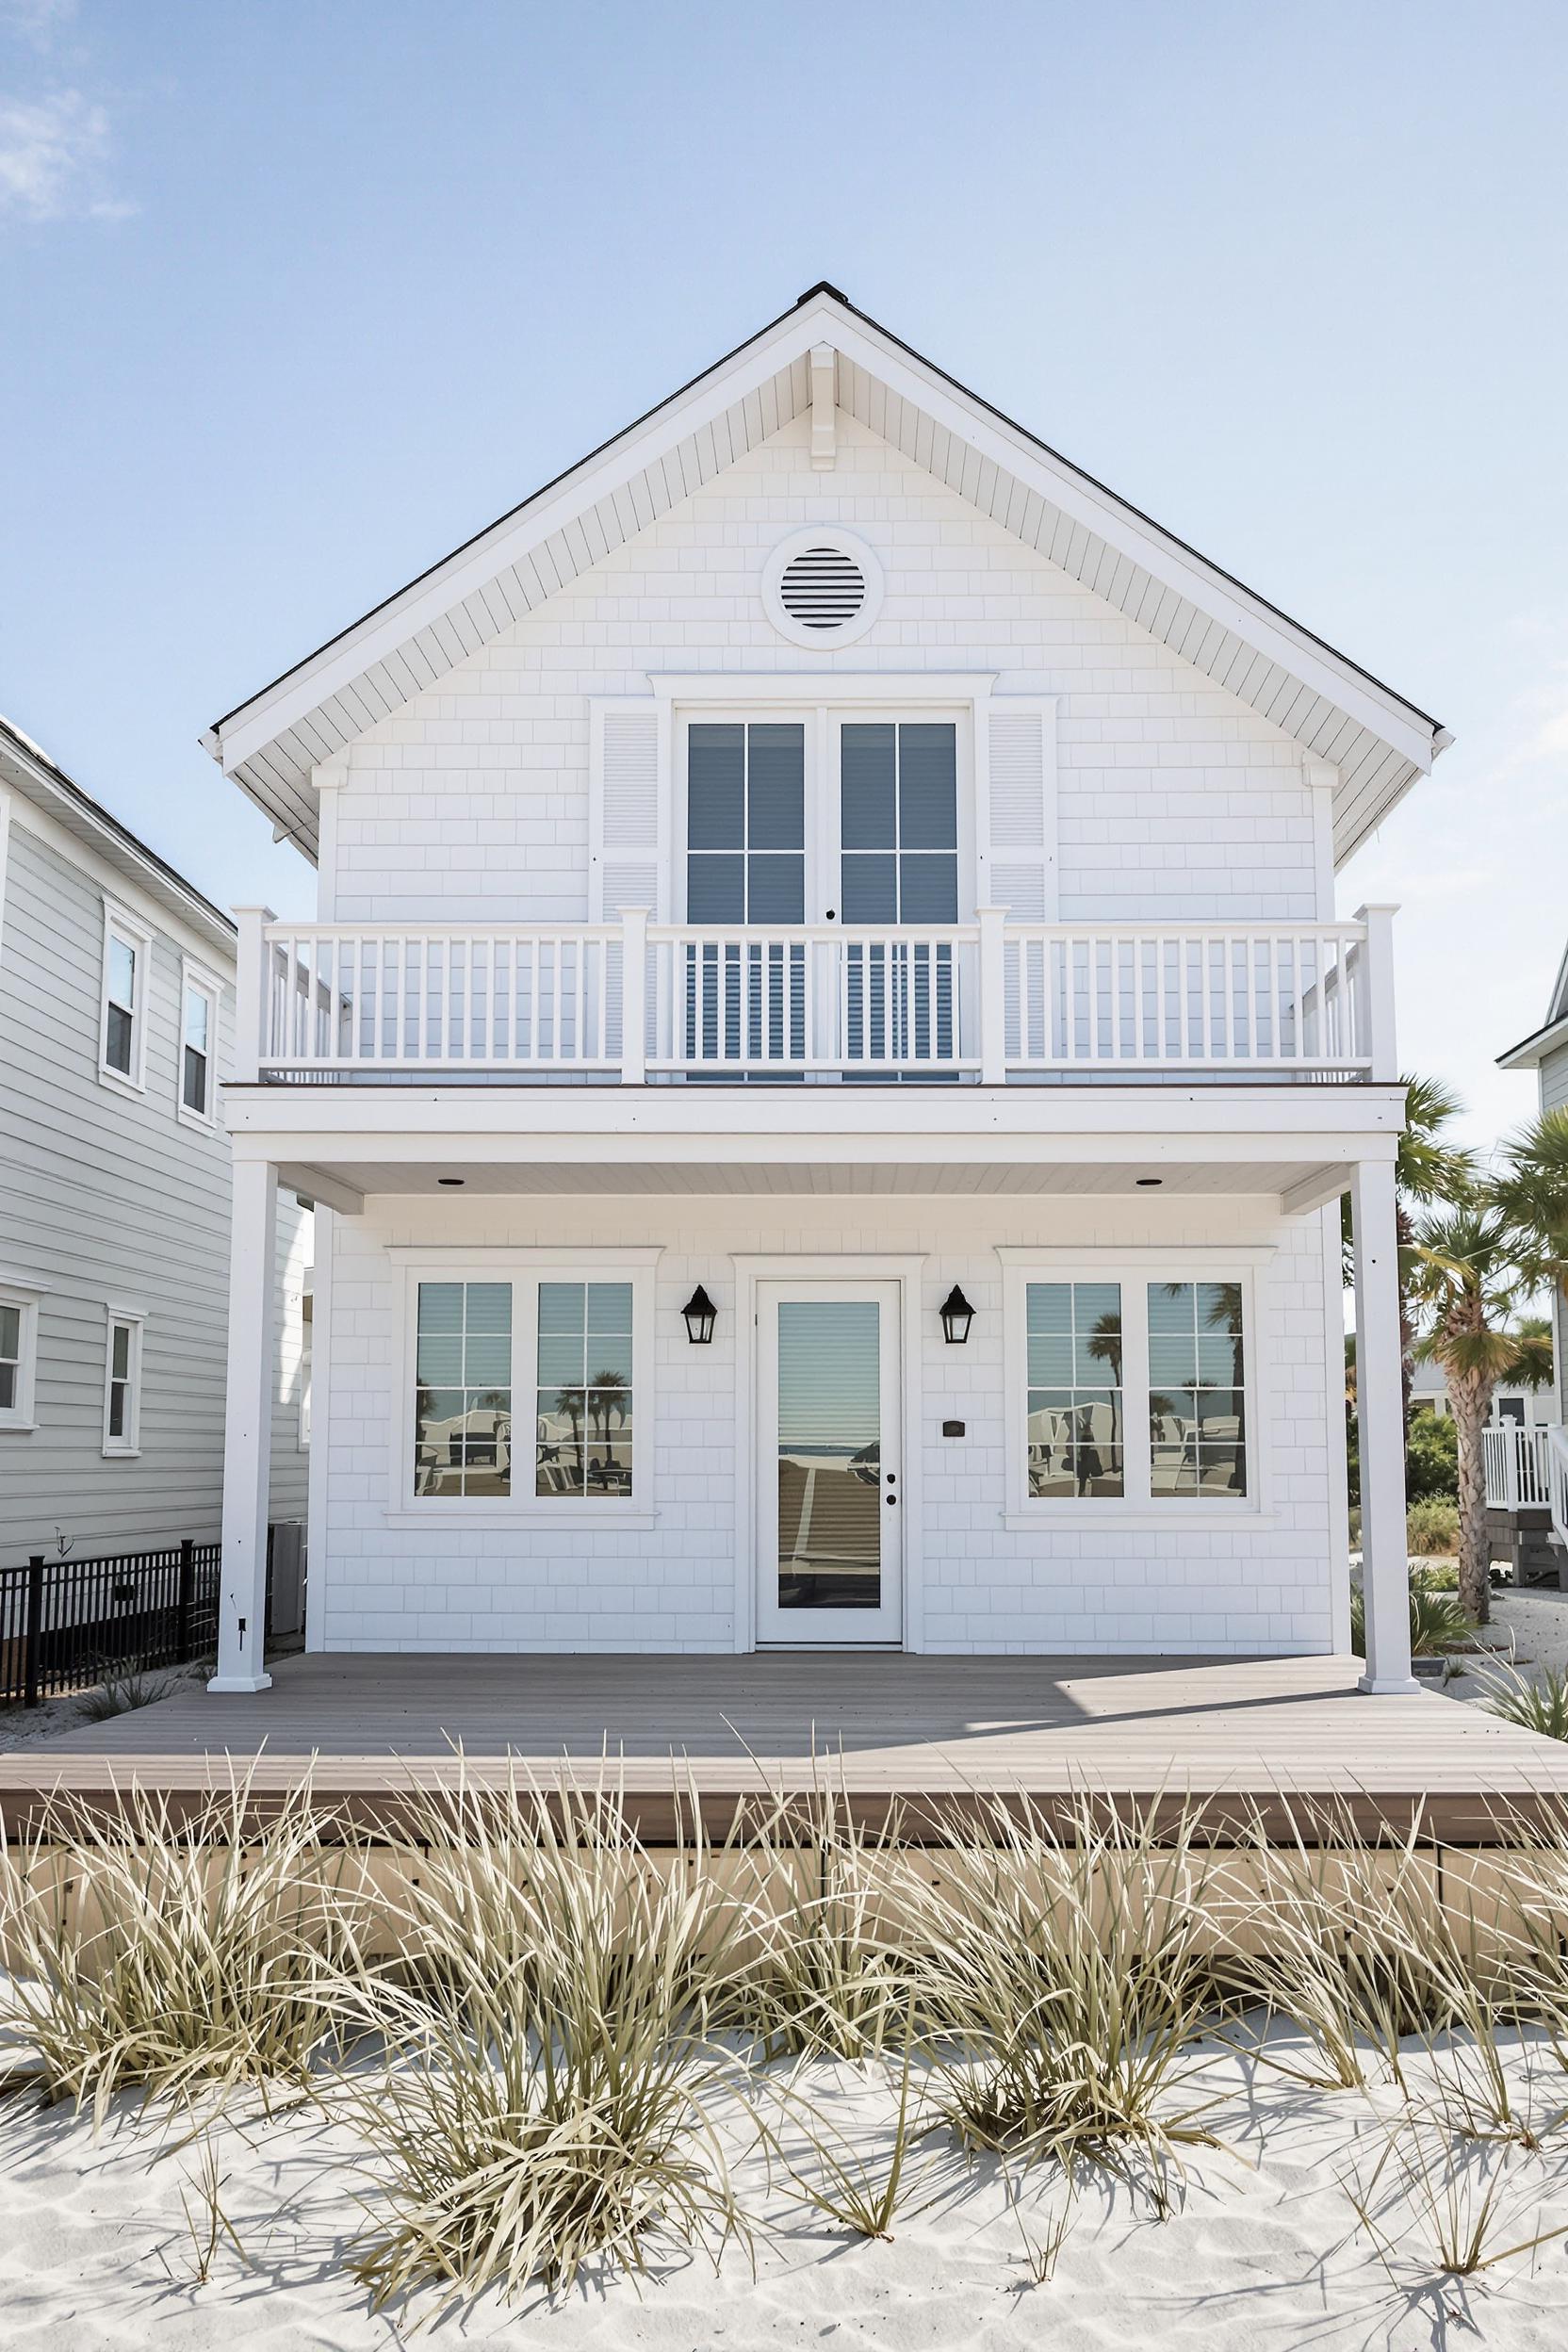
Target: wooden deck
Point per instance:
(1276, 1733)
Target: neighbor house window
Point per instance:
(128, 955)
(583, 1432)
(1076, 1427)
(122, 1384)
(1197, 1390)
(462, 1399)
(198, 1045)
(17, 1352)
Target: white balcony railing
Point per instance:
(1517, 1461)
(992, 1000)
(1527, 1469)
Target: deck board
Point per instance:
(930, 1731)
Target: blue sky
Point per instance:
(297, 297)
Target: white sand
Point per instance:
(1262, 2248)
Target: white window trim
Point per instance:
(524, 1269)
(195, 976)
(20, 1418)
(128, 1446)
(119, 921)
(1133, 1268)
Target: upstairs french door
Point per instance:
(837, 825)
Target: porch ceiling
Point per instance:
(794, 1180)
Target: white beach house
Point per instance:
(831, 1059)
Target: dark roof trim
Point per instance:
(1556, 1031)
(22, 748)
(824, 286)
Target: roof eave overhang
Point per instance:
(32, 773)
(1532, 1050)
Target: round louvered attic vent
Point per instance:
(822, 588)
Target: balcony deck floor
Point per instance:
(1275, 1733)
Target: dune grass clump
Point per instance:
(1535, 1705)
(1073, 1977)
(828, 1971)
(178, 1957)
(552, 2095)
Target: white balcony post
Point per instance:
(249, 993)
(993, 995)
(248, 1429)
(1377, 993)
(634, 972)
(1380, 1416)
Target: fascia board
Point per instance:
(258, 721)
(1531, 1052)
(1103, 513)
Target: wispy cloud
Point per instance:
(56, 144)
(55, 154)
(38, 22)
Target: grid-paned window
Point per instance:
(121, 1003)
(122, 1385)
(746, 822)
(1076, 1408)
(12, 1363)
(583, 1436)
(1197, 1390)
(898, 816)
(197, 1040)
(463, 1403)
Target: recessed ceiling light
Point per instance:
(452, 1180)
(1151, 1180)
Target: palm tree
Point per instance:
(1466, 1279)
(1532, 1192)
(1427, 1173)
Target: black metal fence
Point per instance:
(64, 1624)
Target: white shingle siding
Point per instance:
(1266, 1586)
(1176, 799)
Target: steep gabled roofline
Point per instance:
(823, 289)
(40, 780)
(1339, 711)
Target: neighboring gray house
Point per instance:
(1545, 1051)
(116, 1025)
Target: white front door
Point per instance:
(830, 1463)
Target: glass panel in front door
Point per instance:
(829, 1454)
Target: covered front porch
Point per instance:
(1280, 1737)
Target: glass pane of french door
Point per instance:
(829, 1454)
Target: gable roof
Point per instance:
(1338, 712)
(1532, 1050)
(29, 771)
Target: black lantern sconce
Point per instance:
(701, 1315)
(957, 1315)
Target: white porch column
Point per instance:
(248, 1429)
(1380, 1416)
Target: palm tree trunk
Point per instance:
(1404, 1232)
(1470, 1396)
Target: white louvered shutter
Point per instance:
(1021, 808)
(627, 855)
